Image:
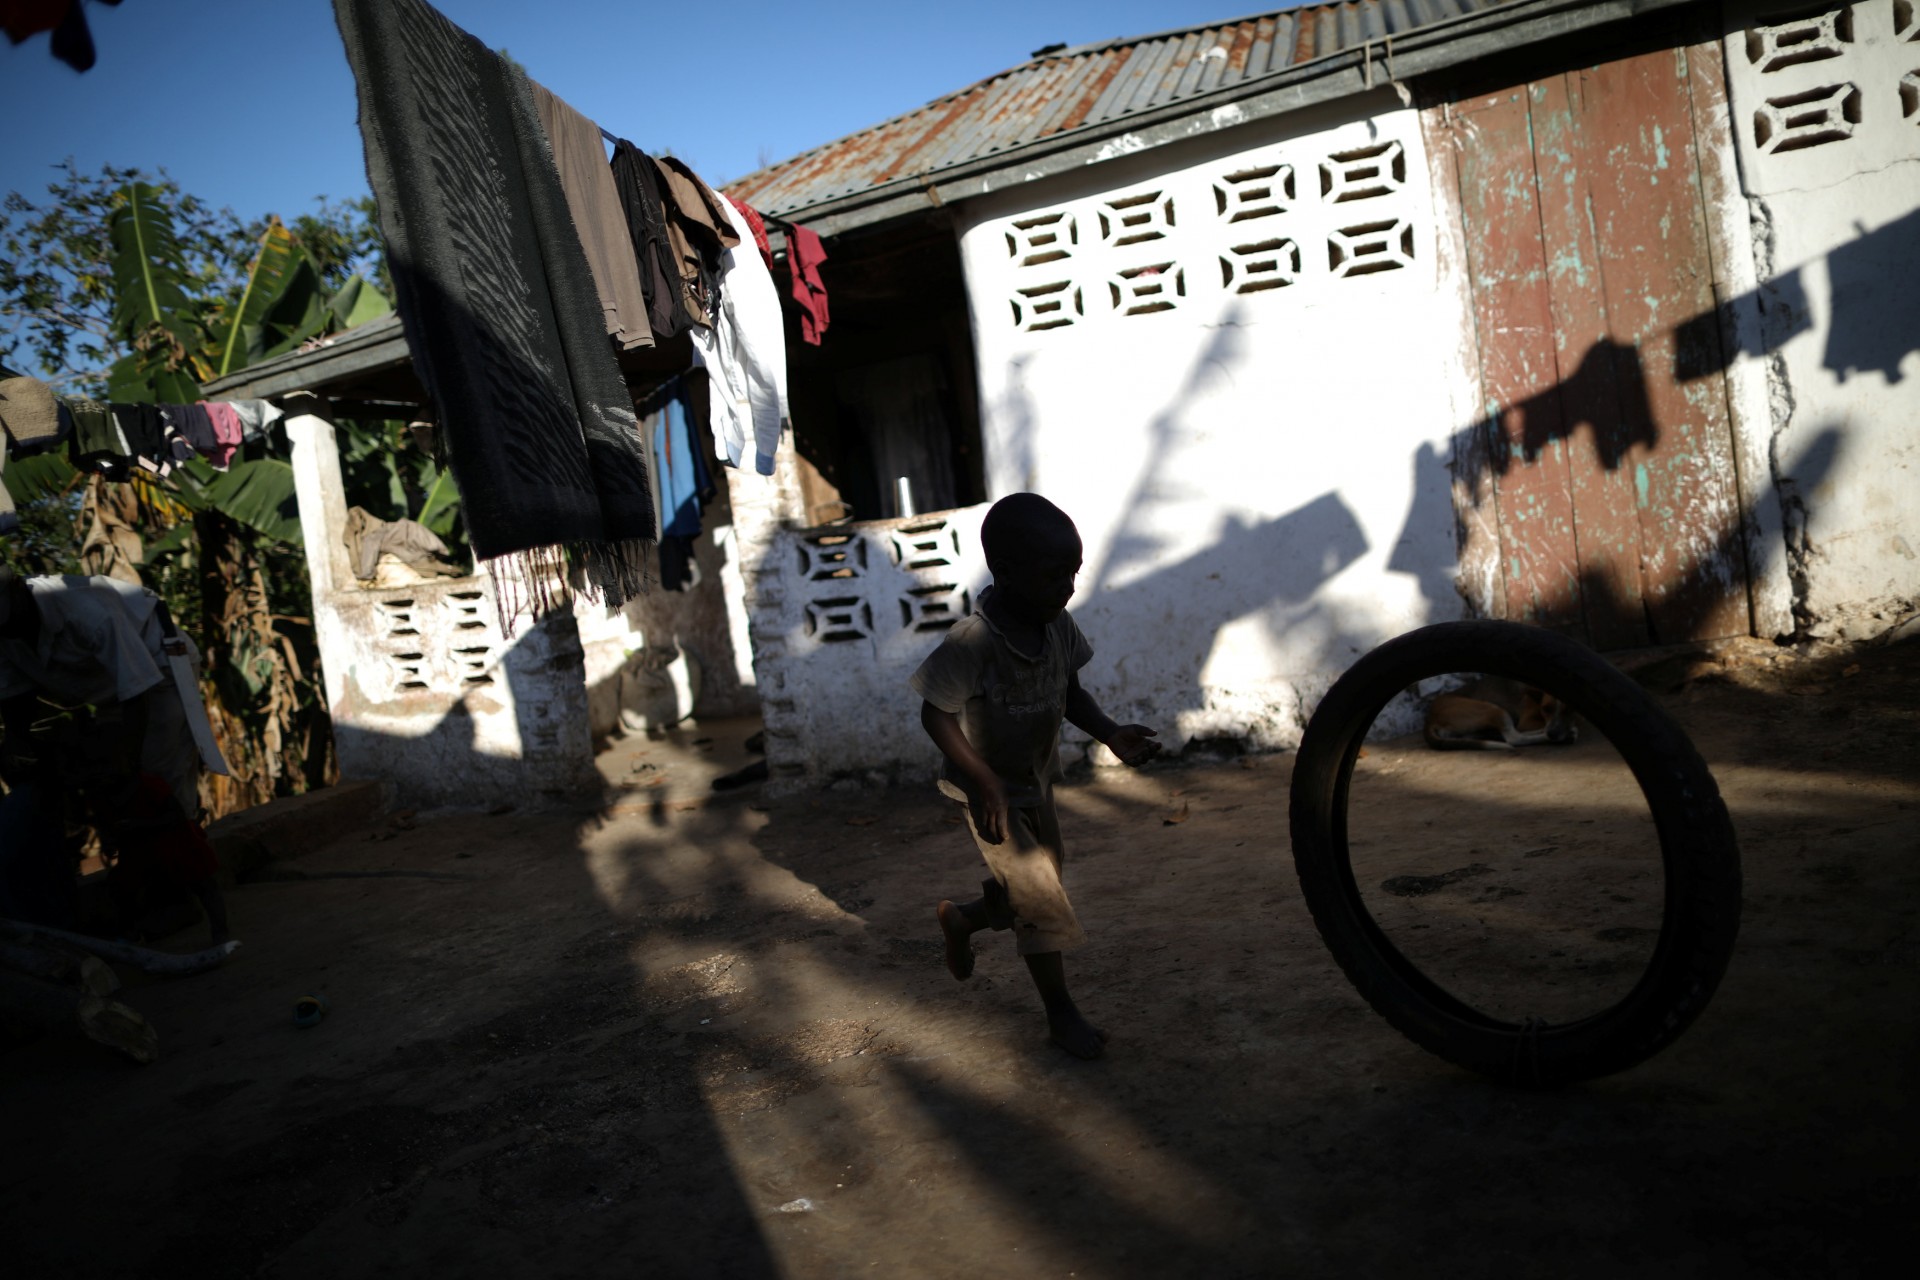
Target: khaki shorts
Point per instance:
(1026, 866)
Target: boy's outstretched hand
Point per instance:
(1134, 744)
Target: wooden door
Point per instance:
(1607, 449)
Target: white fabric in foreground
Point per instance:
(745, 354)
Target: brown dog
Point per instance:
(1493, 713)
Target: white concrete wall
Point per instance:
(1826, 117)
(1238, 371)
(845, 616)
(425, 692)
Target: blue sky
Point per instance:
(249, 103)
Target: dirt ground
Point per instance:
(688, 1033)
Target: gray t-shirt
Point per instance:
(1010, 703)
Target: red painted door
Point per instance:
(1606, 452)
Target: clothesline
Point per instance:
(114, 439)
(517, 248)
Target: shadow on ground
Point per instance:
(688, 1035)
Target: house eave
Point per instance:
(1350, 73)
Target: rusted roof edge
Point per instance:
(1423, 51)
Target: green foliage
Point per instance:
(260, 495)
(355, 302)
(343, 239)
(245, 337)
(46, 495)
(120, 286)
(383, 470)
(40, 477)
(440, 508)
(56, 269)
(57, 274)
(158, 324)
(44, 541)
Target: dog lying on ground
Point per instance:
(1493, 713)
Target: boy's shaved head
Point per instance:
(1017, 521)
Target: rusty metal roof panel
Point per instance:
(1085, 88)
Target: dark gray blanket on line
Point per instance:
(499, 306)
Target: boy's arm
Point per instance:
(1133, 743)
(983, 784)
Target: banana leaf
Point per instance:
(440, 510)
(136, 378)
(355, 303)
(273, 270)
(260, 495)
(37, 476)
(150, 285)
(172, 542)
(297, 314)
(153, 311)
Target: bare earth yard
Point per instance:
(706, 1035)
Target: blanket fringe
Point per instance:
(544, 580)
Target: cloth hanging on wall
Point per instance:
(597, 216)
(700, 231)
(805, 253)
(745, 355)
(368, 537)
(637, 182)
(499, 306)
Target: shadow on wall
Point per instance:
(1433, 566)
(1604, 399)
(1158, 631)
(516, 733)
(1875, 324)
(1267, 570)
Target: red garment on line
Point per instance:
(758, 227)
(804, 256)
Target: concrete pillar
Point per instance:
(321, 493)
(764, 506)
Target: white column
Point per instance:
(318, 486)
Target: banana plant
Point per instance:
(153, 312)
(285, 303)
(267, 280)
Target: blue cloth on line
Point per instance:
(685, 483)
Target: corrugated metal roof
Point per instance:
(1082, 88)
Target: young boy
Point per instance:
(994, 694)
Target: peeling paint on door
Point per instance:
(1613, 480)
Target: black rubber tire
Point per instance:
(1701, 860)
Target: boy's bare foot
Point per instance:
(959, 936)
(1076, 1035)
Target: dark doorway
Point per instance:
(885, 410)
